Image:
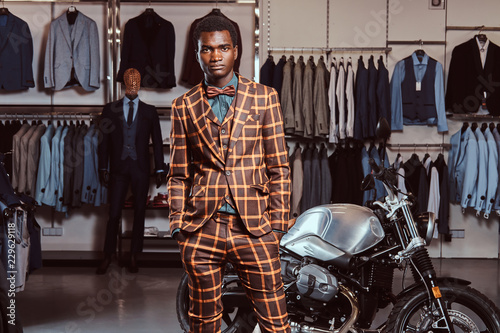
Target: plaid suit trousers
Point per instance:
(205, 252)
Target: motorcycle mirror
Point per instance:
(368, 183)
(383, 130)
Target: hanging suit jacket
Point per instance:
(43, 173)
(482, 175)
(149, 47)
(462, 164)
(68, 48)
(361, 122)
(332, 103)
(16, 54)
(33, 158)
(307, 95)
(286, 96)
(298, 100)
(255, 169)
(267, 72)
(320, 96)
(492, 171)
(468, 80)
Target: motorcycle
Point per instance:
(338, 263)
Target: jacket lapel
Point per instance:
(64, 26)
(491, 57)
(245, 98)
(477, 57)
(10, 26)
(200, 111)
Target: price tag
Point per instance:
(419, 86)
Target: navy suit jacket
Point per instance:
(16, 55)
(149, 47)
(111, 128)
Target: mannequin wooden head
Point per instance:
(132, 80)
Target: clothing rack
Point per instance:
(473, 117)
(416, 42)
(54, 111)
(419, 145)
(471, 28)
(329, 49)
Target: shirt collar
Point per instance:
(416, 61)
(233, 82)
(485, 44)
(126, 100)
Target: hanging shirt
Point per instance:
(420, 68)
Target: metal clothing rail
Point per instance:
(420, 145)
(64, 110)
(473, 117)
(416, 42)
(472, 28)
(329, 49)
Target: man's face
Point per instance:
(216, 55)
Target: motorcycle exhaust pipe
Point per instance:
(348, 325)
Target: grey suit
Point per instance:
(298, 101)
(307, 95)
(297, 182)
(23, 161)
(33, 158)
(76, 47)
(286, 96)
(16, 154)
(320, 96)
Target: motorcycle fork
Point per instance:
(423, 265)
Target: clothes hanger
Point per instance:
(473, 127)
(484, 126)
(480, 36)
(4, 10)
(71, 14)
(465, 126)
(420, 51)
(149, 10)
(216, 10)
(492, 127)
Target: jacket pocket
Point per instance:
(262, 188)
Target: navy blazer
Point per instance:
(149, 47)
(16, 55)
(111, 128)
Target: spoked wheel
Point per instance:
(237, 316)
(468, 309)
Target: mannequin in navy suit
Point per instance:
(126, 127)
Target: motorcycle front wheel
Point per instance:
(469, 311)
(234, 319)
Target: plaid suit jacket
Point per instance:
(255, 170)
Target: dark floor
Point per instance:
(74, 299)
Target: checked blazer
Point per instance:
(253, 166)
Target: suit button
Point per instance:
(88, 187)
(60, 199)
(224, 146)
(223, 131)
(469, 196)
(55, 192)
(43, 190)
(492, 200)
(94, 191)
(483, 197)
(228, 173)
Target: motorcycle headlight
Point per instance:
(425, 224)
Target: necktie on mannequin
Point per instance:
(214, 91)
(130, 116)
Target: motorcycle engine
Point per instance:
(316, 282)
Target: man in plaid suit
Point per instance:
(229, 184)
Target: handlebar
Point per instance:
(387, 176)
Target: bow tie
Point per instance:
(214, 91)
